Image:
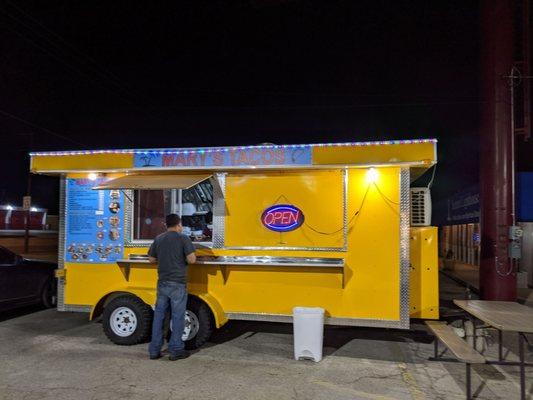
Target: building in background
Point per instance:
(459, 229)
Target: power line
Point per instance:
(292, 93)
(103, 70)
(33, 125)
(50, 47)
(64, 62)
(131, 101)
(329, 106)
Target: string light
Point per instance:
(204, 150)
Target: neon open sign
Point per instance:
(282, 218)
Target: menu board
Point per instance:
(94, 223)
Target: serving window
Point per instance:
(152, 197)
(149, 210)
(194, 205)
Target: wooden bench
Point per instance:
(457, 346)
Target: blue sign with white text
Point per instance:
(463, 207)
(94, 223)
(229, 157)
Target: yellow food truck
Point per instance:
(275, 227)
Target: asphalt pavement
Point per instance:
(45, 354)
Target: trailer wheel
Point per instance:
(127, 320)
(199, 324)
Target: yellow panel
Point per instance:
(373, 274)
(381, 154)
(87, 162)
(86, 284)
(318, 194)
(424, 277)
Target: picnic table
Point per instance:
(505, 316)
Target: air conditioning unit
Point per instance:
(420, 206)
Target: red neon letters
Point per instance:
(282, 218)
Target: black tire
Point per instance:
(49, 293)
(206, 320)
(143, 314)
(206, 323)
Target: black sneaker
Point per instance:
(155, 356)
(179, 356)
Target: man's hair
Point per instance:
(172, 220)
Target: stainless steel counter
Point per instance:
(263, 261)
(244, 261)
(273, 261)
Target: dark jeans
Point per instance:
(173, 295)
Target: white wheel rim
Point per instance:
(123, 321)
(191, 327)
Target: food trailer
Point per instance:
(275, 227)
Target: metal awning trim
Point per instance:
(153, 182)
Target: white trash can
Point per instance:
(308, 326)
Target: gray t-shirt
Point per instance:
(171, 249)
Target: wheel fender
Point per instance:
(214, 305)
(145, 294)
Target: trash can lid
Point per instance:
(308, 310)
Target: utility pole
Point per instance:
(497, 269)
(27, 218)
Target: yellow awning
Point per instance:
(153, 182)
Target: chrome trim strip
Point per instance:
(128, 222)
(61, 242)
(405, 223)
(363, 322)
(345, 206)
(77, 308)
(335, 249)
(341, 321)
(253, 261)
(277, 262)
(246, 316)
(219, 210)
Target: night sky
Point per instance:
(124, 74)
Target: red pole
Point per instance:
(497, 273)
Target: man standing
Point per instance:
(172, 251)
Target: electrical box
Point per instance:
(515, 245)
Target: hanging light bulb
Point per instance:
(372, 175)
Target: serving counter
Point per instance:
(244, 261)
(264, 261)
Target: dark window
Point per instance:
(194, 205)
(150, 209)
(7, 257)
